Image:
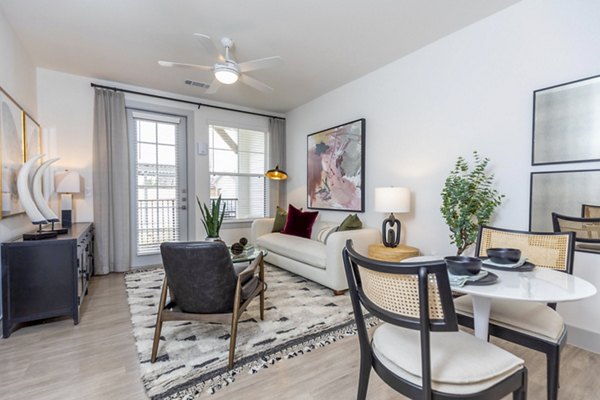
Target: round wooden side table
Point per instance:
(393, 254)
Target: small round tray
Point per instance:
(523, 268)
(489, 279)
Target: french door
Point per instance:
(158, 180)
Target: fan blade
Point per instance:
(256, 84)
(210, 47)
(214, 86)
(260, 63)
(183, 65)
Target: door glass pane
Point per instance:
(157, 188)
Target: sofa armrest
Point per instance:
(260, 227)
(361, 239)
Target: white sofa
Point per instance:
(310, 258)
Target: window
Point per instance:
(237, 166)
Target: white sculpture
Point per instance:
(25, 197)
(32, 199)
(38, 197)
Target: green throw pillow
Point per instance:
(350, 223)
(280, 218)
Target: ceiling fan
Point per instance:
(228, 71)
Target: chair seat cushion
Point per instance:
(531, 318)
(460, 363)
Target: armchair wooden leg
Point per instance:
(261, 276)
(233, 338)
(159, 322)
(339, 292)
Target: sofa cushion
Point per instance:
(303, 250)
(324, 232)
(280, 218)
(350, 223)
(299, 223)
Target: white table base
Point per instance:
(481, 315)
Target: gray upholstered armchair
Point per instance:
(203, 285)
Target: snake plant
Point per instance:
(212, 218)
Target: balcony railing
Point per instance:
(158, 222)
(231, 207)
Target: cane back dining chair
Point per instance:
(587, 230)
(530, 324)
(418, 349)
(590, 211)
(203, 285)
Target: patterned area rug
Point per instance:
(300, 316)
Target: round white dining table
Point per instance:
(541, 284)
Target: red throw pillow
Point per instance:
(299, 223)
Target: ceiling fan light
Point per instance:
(226, 76)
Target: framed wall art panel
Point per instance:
(335, 168)
(32, 137)
(11, 153)
(562, 192)
(566, 123)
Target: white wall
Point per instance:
(66, 104)
(17, 77)
(469, 91)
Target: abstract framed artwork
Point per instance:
(336, 168)
(566, 123)
(33, 140)
(11, 153)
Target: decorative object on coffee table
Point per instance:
(237, 248)
(468, 201)
(392, 200)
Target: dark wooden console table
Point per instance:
(46, 278)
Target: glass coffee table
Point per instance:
(248, 256)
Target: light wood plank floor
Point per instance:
(97, 360)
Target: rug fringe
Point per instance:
(214, 384)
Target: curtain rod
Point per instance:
(182, 101)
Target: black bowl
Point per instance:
(463, 265)
(504, 255)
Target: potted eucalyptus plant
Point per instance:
(468, 200)
(212, 218)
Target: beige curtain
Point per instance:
(277, 189)
(111, 183)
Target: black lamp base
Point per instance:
(389, 236)
(66, 218)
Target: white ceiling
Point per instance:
(324, 43)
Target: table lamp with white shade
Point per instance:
(67, 183)
(392, 200)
